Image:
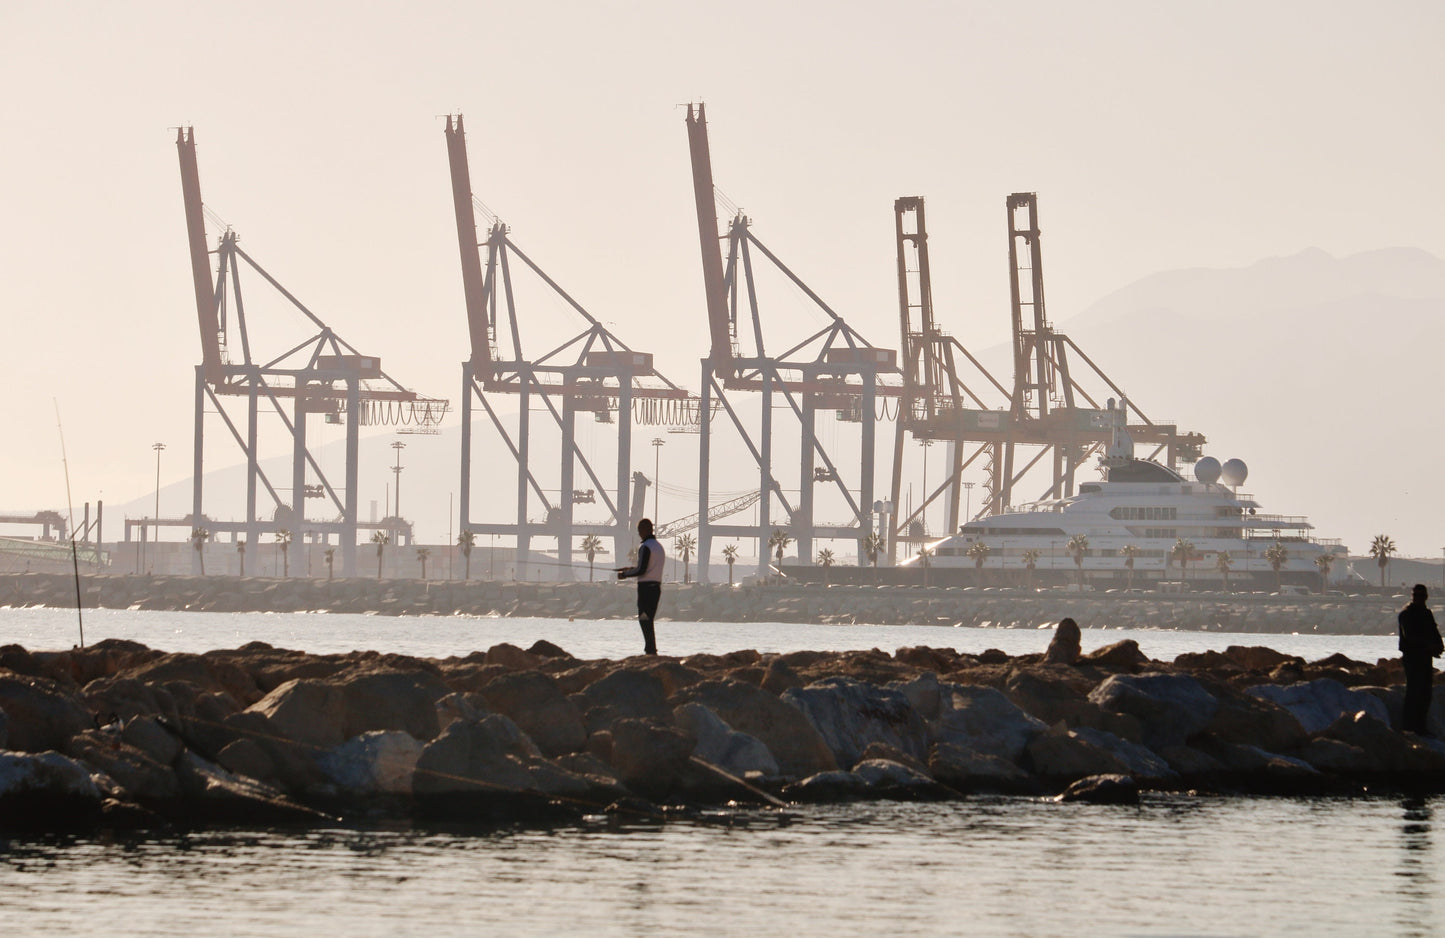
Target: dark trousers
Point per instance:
(1419, 674)
(648, 596)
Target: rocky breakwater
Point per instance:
(754, 602)
(121, 734)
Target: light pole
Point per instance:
(657, 444)
(968, 502)
(923, 506)
(158, 447)
(397, 445)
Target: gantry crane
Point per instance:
(1046, 408)
(320, 375)
(592, 372)
(834, 369)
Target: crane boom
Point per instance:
(200, 258)
(719, 324)
(472, 282)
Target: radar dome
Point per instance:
(1234, 472)
(1207, 470)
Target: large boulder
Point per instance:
(1317, 704)
(211, 674)
(1171, 707)
(850, 714)
(1062, 754)
(40, 790)
(153, 739)
(626, 693)
(382, 762)
(536, 703)
(1120, 656)
(388, 699)
(306, 710)
(215, 793)
(1386, 750)
(1141, 762)
(1245, 718)
(968, 771)
(135, 771)
(1064, 646)
(984, 720)
(124, 698)
(720, 745)
(484, 758)
(650, 758)
(42, 714)
(798, 747)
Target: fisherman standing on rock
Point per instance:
(1420, 644)
(650, 560)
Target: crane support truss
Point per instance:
(834, 369)
(949, 396)
(320, 375)
(592, 372)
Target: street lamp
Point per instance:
(158, 447)
(923, 507)
(397, 445)
(657, 444)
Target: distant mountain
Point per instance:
(1322, 373)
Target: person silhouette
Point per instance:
(1419, 644)
(648, 571)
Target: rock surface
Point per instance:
(119, 730)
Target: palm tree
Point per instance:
(924, 556)
(1381, 548)
(978, 552)
(730, 554)
(241, 550)
(1077, 548)
(685, 544)
(1031, 563)
(380, 539)
(1129, 552)
(330, 562)
(283, 541)
(1323, 561)
(1222, 563)
(591, 546)
(1276, 554)
(825, 560)
(778, 543)
(465, 540)
(1181, 550)
(199, 536)
(873, 546)
(422, 553)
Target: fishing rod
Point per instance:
(70, 523)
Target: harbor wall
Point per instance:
(753, 602)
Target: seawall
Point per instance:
(763, 602)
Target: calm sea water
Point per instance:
(440, 636)
(1175, 865)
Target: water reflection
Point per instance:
(1415, 876)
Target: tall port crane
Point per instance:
(591, 372)
(1052, 408)
(833, 369)
(320, 375)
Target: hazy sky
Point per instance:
(1158, 136)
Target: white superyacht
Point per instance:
(1145, 512)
